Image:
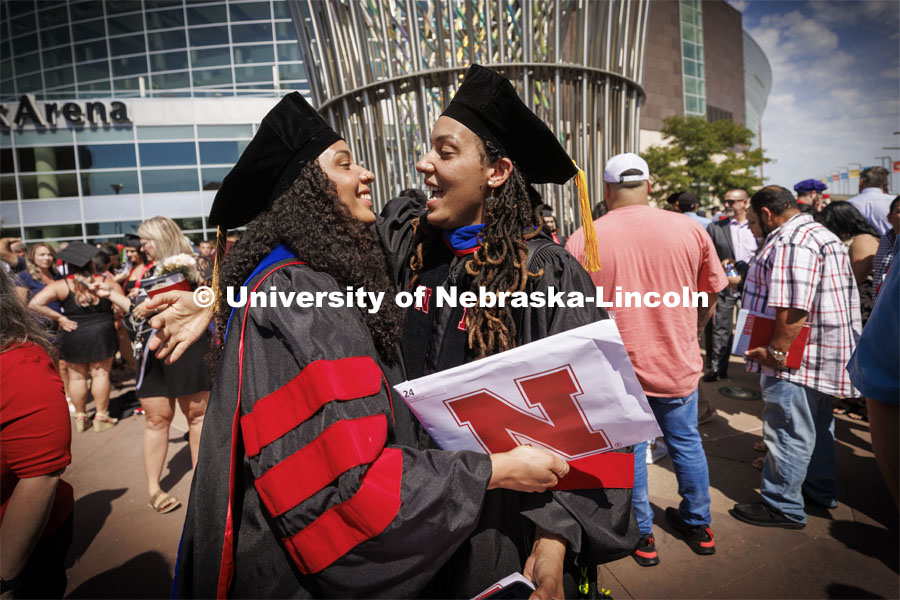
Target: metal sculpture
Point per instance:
(380, 72)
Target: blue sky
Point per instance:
(835, 96)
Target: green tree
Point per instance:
(706, 158)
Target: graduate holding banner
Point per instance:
(308, 482)
(481, 228)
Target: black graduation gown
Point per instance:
(325, 501)
(598, 525)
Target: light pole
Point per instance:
(117, 187)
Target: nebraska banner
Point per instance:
(574, 394)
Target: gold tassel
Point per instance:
(591, 250)
(221, 245)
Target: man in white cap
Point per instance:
(651, 251)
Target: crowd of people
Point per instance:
(66, 318)
(312, 476)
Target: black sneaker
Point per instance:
(763, 515)
(645, 554)
(710, 377)
(699, 537)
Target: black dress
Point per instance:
(188, 375)
(95, 339)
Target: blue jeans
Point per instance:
(798, 427)
(677, 417)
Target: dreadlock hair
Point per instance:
(309, 218)
(511, 217)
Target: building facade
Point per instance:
(700, 62)
(757, 85)
(116, 111)
(193, 79)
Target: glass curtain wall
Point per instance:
(108, 180)
(170, 48)
(692, 58)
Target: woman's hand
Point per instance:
(100, 289)
(141, 312)
(544, 566)
(67, 324)
(526, 469)
(178, 326)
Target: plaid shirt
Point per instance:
(883, 257)
(803, 265)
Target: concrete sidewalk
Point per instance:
(123, 549)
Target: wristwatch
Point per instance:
(778, 355)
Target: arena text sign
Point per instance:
(47, 114)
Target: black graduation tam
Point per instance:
(487, 103)
(78, 254)
(289, 137)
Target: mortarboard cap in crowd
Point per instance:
(132, 240)
(78, 254)
(487, 104)
(288, 138)
(620, 163)
(810, 185)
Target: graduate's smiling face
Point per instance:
(457, 180)
(350, 179)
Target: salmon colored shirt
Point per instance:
(645, 249)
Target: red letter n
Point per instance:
(558, 423)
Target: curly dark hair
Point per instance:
(309, 219)
(511, 217)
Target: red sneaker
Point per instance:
(700, 537)
(645, 553)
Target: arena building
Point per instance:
(113, 112)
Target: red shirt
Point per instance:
(648, 250)
(35, 434)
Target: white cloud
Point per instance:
(830, 11)
(826, 110)
(739, 5)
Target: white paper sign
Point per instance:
(574, 393)
(505, 582)
(741, 341)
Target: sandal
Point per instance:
(760, 446)
(82, 422)
(759, 462)
(163, 503)
(102, 421)
(857, 415)
(856, 410)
